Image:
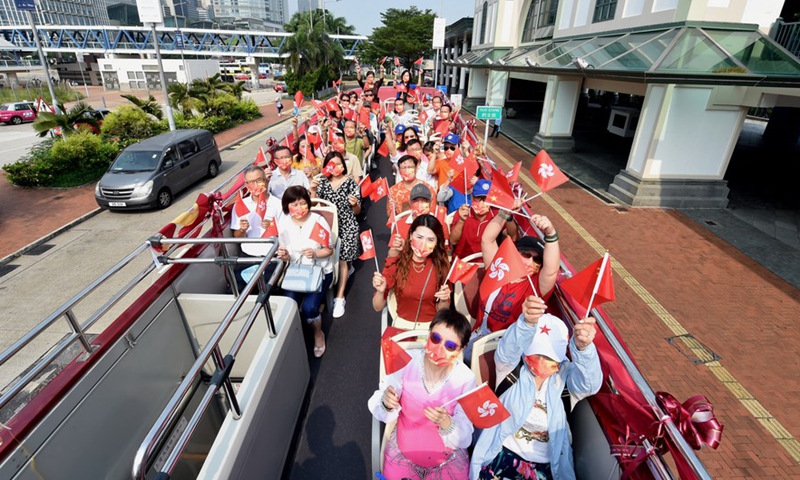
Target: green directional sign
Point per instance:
(489, 113)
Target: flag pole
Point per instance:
(597, 282)
(452, 267)
(464, 394)
(521, 212)
(531, 283)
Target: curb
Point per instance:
(22, 251)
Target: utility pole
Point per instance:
(163, 78)
(43, 61)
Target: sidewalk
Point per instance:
(31, 214)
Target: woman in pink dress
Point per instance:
(429, 441)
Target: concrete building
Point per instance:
(457, 43)
(271, 12)
(142, 74)
(308, 5)
(57, 12)
(675, 76)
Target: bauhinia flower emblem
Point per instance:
(498, 269)
(546, 170)
(487, 409)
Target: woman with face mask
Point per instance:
(417, 275)
(534, 443)
(341, 190)
(429, 441)
(297, 246)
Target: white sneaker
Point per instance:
(338, 307)
(351, 271)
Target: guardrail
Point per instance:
(787, 35)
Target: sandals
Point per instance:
(319, 351)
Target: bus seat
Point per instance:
(483, 358)
(328, 211)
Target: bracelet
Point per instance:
(449, 429)
(505, 216)
(385, 407)
(551, 238)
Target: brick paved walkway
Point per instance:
(28, 214)
(736, 307)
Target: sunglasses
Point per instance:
(531, 255)
(451, 147)
(449, 345)
(369, 94)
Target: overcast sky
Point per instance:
(367, 15)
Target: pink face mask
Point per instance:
(338, 170)
(408, 175)
(540, 366)
(438, 354)
(421, 247)
(256, 189)
(480, 208)
(421, 207)
(284, 163)
(298, 212)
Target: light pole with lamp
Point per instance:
(29, 6)
(150, 12)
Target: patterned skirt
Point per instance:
(509, 465)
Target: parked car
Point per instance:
(149, 173)
(17, 112)
(279, 87)
(98, 114)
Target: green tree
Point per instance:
(68, 122)
(237, 89)
(129, 124)
(149, 106)
(208, 88)
(181, 98)
(407, 34)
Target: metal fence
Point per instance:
(787, 35)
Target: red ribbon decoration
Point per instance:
(694, 418)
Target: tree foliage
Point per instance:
(149, 106)
(406, 33)
(69, 123)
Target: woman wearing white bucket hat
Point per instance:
(534, 442)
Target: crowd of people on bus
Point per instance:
(432, 222)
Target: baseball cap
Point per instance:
(420, 191)
(550, 339)
(452, 138)
(481, 188)
(528, 242)
(398, 130)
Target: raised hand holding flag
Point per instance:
(506, 266)
(299, 98)
(591, 286)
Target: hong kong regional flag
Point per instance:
(545, 172)
(321, 235)
(367, 245)
(483, 408)
(506, 266)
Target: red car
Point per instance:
(279, 87)
(18, 112)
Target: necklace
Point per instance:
(431, 383)
(419, 269)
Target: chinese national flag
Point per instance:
(320, 235)
(581, 285)
(513, 174)
(500, 195)
(308, 153)
(382, 60)
(383, 151)
(298, 98)
(396, 62)
(403, 228)
(483, 408)
(287, 142)
(379, 189)
(394, 356)
(363, 117)
(261, 158)
(367, 245)
(328, 170)
(442, 127)
(313, 136)
(460, 182)
(545, 172)
(418, 61)
(240, 208)
(462, 271)
(366, 186)
(506, 266)
(271, 230)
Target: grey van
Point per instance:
(149, 173)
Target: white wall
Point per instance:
(125, 67)
(478, 80)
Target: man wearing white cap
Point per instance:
(534, 442)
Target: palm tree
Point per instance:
(209, 87)
(237, 89)
(181, 97)
(68, 123)
(312, 44)
(149, 106)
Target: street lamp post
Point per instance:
(163, 78)
(43, 61)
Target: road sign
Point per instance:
(489, 113)
(439, 25)
(23, 5)
(150, 11)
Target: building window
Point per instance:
(484, 14)
(604, 10)
(541, 13)
(529, 29)
(547, 14)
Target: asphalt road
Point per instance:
(16, 141)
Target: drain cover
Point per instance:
(693, 349)
(40, 249)
(5, 269)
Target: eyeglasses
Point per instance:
(369, 94)
(253, 182)
(451, 147)
(449, 345)
(531, 255)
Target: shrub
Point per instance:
(244, 111)
(129, 124)
(83, 150)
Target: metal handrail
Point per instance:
(166, 421)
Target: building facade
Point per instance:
(692, 68)
(308, 5)
(272, 12)
(57, 12)
(457, 43)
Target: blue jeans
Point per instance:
(309, 303)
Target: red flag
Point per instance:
(328, 170)
(442, 127)
(313, 136)
(308, 153)
(483, 408)
(367, 245)
(383, 150)
(459, 162)
(462, 271)
(272, 229)
(500, 194)
(287, 142)
(411, 97)
(382, 60)
(319, 107)
(261, 158)
(513, 174)
(320, 235)
(460, 182)
(332, 105)
(363, 117)
(423, 117)
(418, 61)
(506, 266)
(349, 114)
(394, 356)
(396, 62)
(403, 228)
(545, 172)
(392, 219)
(379, 189)
(298, 98)
(261, 205)
(240, 208)
(581, 285)
(366, 187)
(400, 87)
(376, 105)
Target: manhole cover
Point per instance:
(40, 249)
(693, 349)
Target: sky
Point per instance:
(366, 16)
